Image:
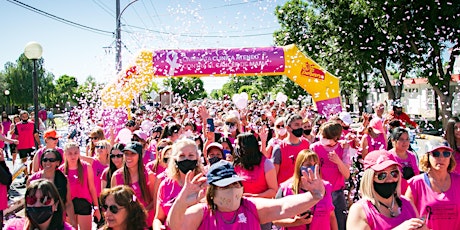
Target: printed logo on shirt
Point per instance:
(242, 218)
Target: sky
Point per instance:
(88, 49)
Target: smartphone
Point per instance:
(210, 122)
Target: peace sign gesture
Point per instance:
(313, 182)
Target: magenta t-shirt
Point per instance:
(441, 210)
(98, 169)
(378, 221)
(245, 217)
(78, 190)
(167, 192)
(457, 159)
(377, 143)
(321, 211)
(3, 197)
(410, 161)
(329, 169)
(18, 224)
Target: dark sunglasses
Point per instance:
(100, 147)
(49, 159)
(93, 138)
(279, 126)
(31, 200)
(52, 138)
(445, 154)
(116, 156)
(112, 208)
(135, 139)
(159, 148)
(383, 175)
(229, 124)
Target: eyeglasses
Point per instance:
(383, 175)
(93, 138)
(31, 200)
(100, 147)
(445, 154)
(116, 156)
(112, 208)
(49, 159)
(279, 126)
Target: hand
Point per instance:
(334, 157)
(302, 220)
(412, 224)
(194, 188)
(203, 112)
(15, 142)
(344, 144)
(97, 214)
(263, 133)
(312, 182)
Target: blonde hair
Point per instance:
(425, 165)
(303, 156)
(107, 145)
(367, 186)
(70, 145)
(173, 171)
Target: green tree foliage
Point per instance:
(190, 88)
(66, 88)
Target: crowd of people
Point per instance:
(209, 165)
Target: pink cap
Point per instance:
(215, 145)
(141, 134)
(377, 125)
(379, 160)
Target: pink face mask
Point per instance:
(327, 142)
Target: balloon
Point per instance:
(125, 135)
(146, 125)
(240, 100)
(281, 98)
(235, 98)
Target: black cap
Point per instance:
(222, 174)
(134, 147)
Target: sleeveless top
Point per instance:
(441, 210)
(245, 217)
(329, 170)
(168, 190)
(77, 189)
(321, 211)
(18, 224)
(410, 161)
(25, 135)
(457, 159)
(378, 221)
(288, 156)
(375, 143)
(255, 181)
(98, 169)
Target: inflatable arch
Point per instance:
(283, 60)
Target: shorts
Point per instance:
(81, 206)
(24, 153)
(13, 148)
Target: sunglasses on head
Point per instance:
(100, 147)
(31, 200)
(383, 175)
(112, 208)
(445, 154)
(116, 156)
(49, 159)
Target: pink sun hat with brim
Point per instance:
(379, 160)
(377, 125)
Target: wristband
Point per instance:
(95, 208)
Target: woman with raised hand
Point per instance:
(435, 192)
(135, 175)
(44, 209)
(122, 209)
(227, 208)
(184, 158)
(82, 189)
(382, 206)
(116, 162)
(320, 216)
(97, 134)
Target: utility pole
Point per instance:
(118, 64)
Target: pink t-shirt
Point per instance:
(25, 133)
(441, 210)
(159, 170)
(18, 224)
(78, 190)
(149, 156)
(375, 143)
(378, 221)
(98, 169)
(245, 217)
(321, 211)
(255, 181)
(457, 159)
(410, 161)
(167, 193)
(329, 169)
(3, 197)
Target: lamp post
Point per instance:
(7, 95)
(118, 64)
(33, 51)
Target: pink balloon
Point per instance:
(124, 136)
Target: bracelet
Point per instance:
(95, 208)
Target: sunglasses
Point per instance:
(49, 159)
(52, 138)
(229, 124)
(93, 138)
(116, 156)
(135, 139)
(31, 200)
(383, 175)
(445, 154)
(279, 126)
(112, 208)
(100, 147)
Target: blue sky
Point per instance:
(146, 24)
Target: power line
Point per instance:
(59, 19)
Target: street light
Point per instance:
(7, 95)
(118, 64)
(33, 51)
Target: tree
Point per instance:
(66, 88)
(190, 88)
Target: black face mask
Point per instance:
(186, 165)
(307, 131)
(385, 190)
(213, 160)
(39, 215)
(407, 172)
(297, 132)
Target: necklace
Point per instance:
(442, 188)
(392, 213)
(228, 221)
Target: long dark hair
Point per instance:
(169, 130)
(450, 133)
(247, 154)
(142, 180)
(47, 188)
(112, 166)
